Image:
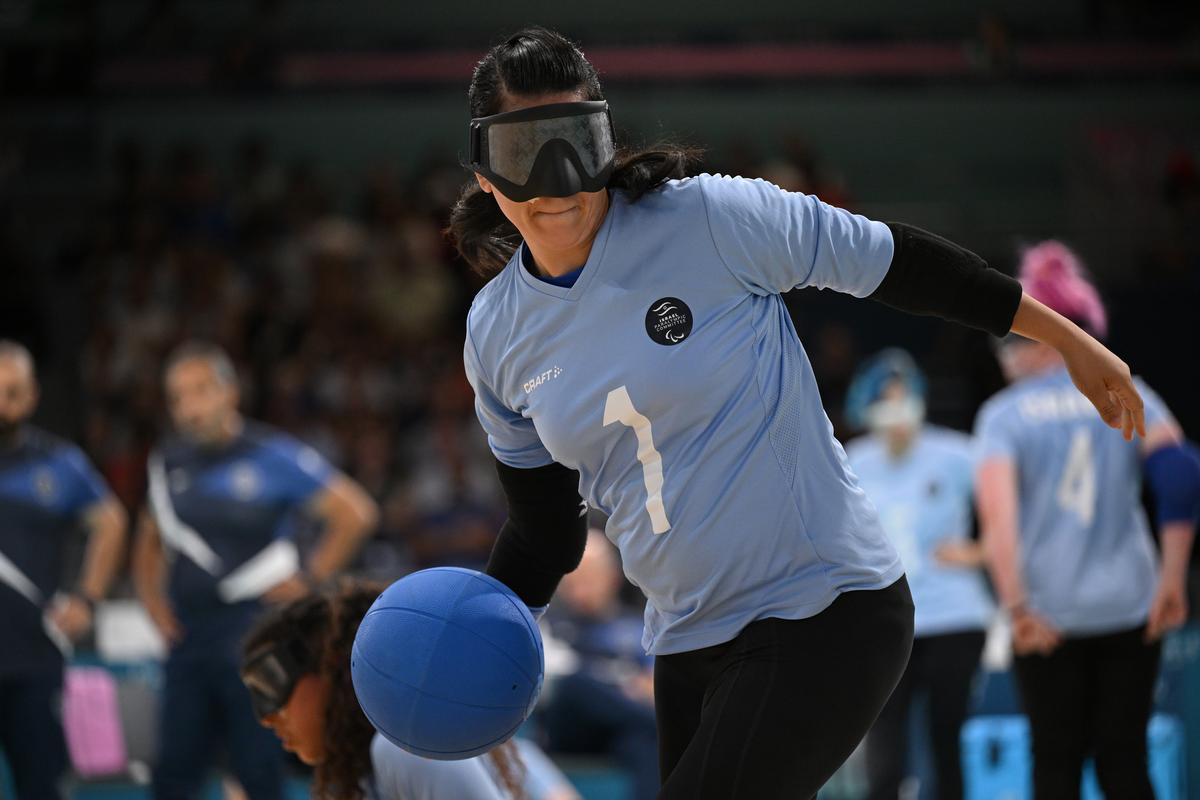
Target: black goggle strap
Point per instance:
(271, 674)
(474, 148)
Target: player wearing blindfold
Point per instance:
(633, 351)
(296, 666)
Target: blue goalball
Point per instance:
(447, 663)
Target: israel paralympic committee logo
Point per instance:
(669, 321)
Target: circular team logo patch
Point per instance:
(669, 321)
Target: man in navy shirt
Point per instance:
(226, 496)
(47, 490)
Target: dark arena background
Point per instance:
(274, 177)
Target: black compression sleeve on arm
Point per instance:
(545, 533)
(933, 276)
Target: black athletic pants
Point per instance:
(1091, 696)
(942, 667)
(774, 712)
(31, 734)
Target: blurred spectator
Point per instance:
(215, 548)
(606, 705)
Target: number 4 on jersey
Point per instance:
(619, 408)
(1077, 486)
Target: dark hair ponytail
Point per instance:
(538, 61)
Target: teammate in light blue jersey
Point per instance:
(921, 479)
(1070, 548)
(635, 352)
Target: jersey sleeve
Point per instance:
(773, 240)
(996, 434)
(301, 470)
(512, 437)
(84, 486)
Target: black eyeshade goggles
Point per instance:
(554, 150)
(271, 674)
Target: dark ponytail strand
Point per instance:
(640, 171)
(483, 235)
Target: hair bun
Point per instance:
(1052, 274)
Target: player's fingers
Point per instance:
(1155, 621)
(1106, 405)
(1127, 395)
(1152, 625)
(1177, 615)
(1127, 424)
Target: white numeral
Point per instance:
(1077, 487)
(619, 408)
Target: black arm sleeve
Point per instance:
(933, 276)
(543, 538)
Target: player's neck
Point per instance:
(11, 436)
(553, 263)
(230, 430)
(899, 446)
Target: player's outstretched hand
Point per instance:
(1106, 381)
(1098, 374)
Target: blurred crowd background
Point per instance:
(274, 176)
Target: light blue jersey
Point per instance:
(671, 378)
(1087, 558)
(399, 775)
(924, 499)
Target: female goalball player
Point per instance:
(1089, 602)
(634, 349)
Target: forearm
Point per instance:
(147, 568)
(1175, 539)
(521, 562)
(1000, 547)
(1034, 320)
(545, 534)
(350, 516)
(335, 550)
(106, 547)
(996, 496)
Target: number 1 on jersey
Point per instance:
(619, 408)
